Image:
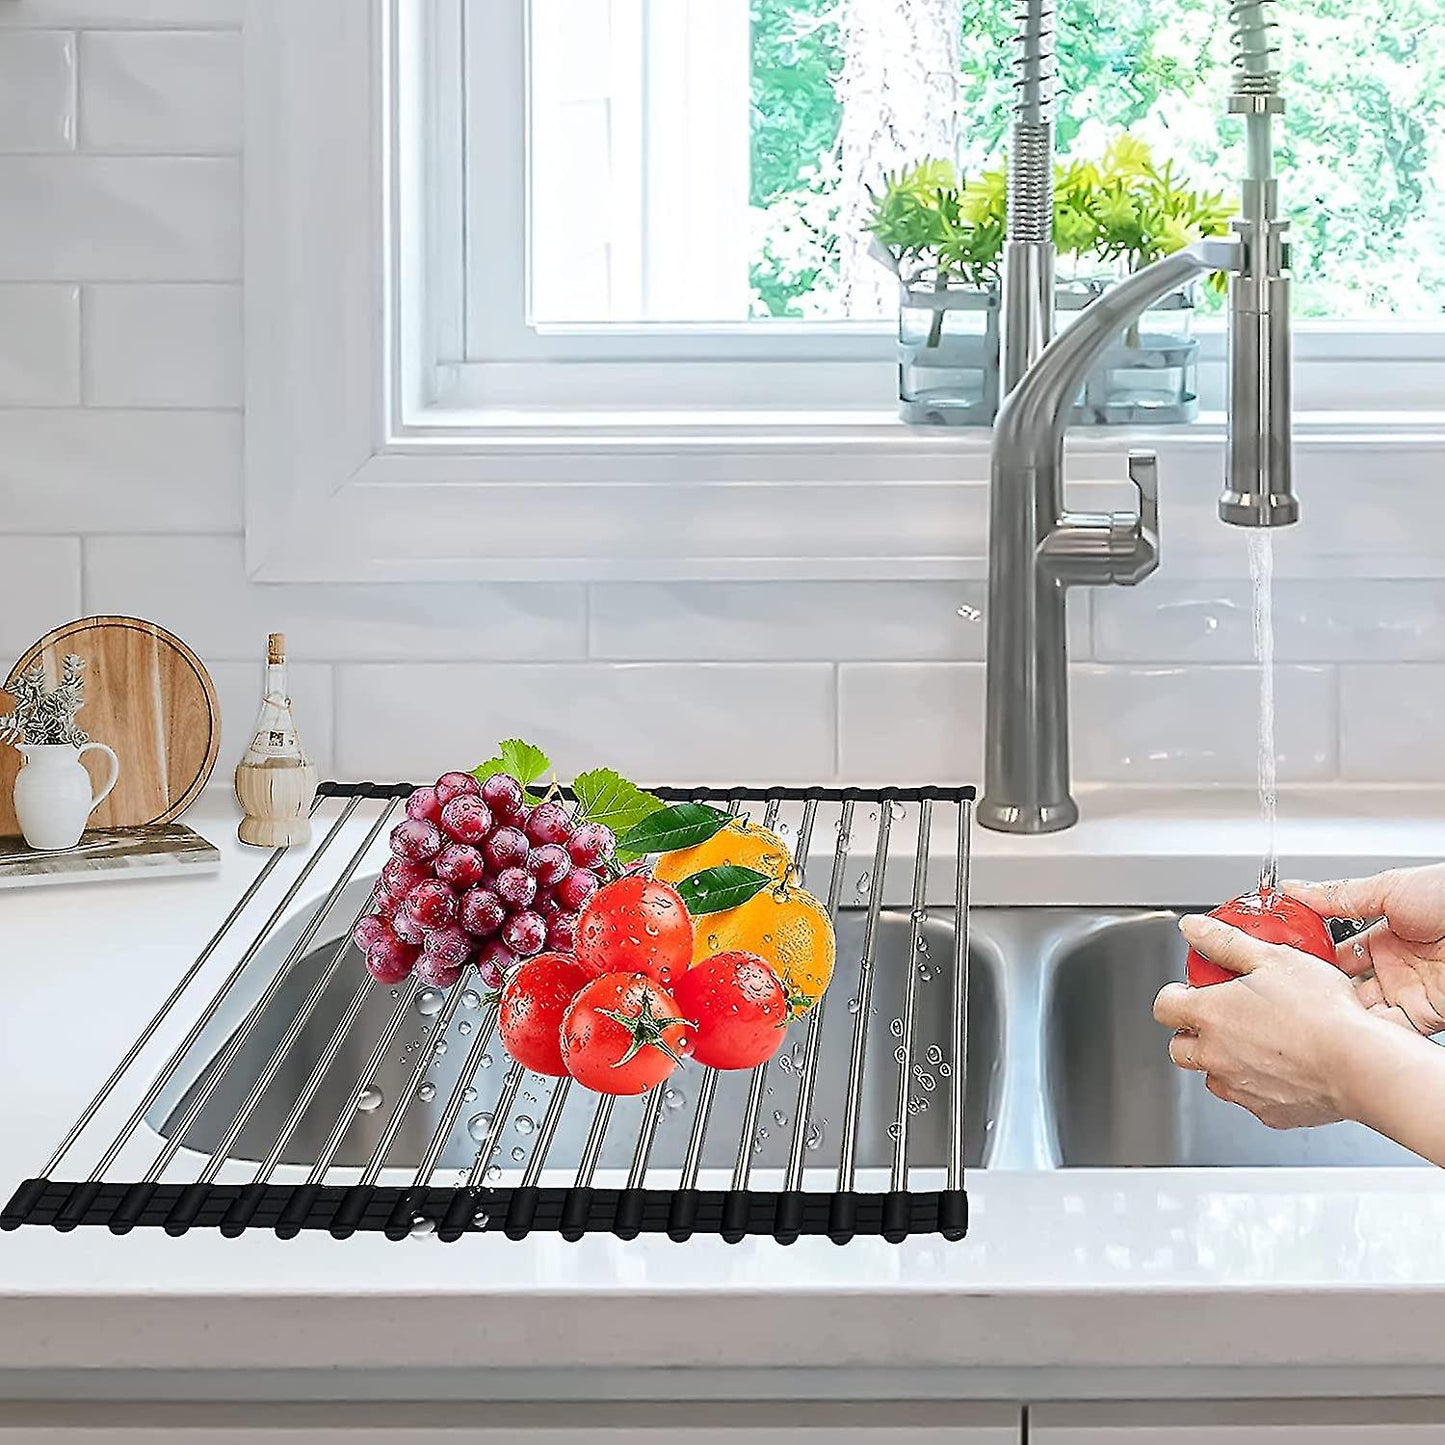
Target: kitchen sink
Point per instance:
(1112, 1095)
(928, 1122)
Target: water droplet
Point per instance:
(471, 999)
(895, 1130)
(524, 1124)
(785, 1063)
(421, 1227)
(969, 612)
(896, 810)
(493, 1174)
(928, 1082)
(481, 1219)
(934, 1054)
(427, 1093)
(780, 1118)
(673, 1099)
(479, 1126)
(899, 1054)
(518, 1154)
(757, 1146)
(485, 1061)
(429, 1001)
(797, 1055)
(895, 1028)
(468, 1094)
(914, 1107)
(854, 1004)
(762, 1133)
(814, 1139)
(464, 1026)
(945, 1071)
(370, 1099)
(925, 973)
(864, 880)
(396, 993)
(426, 1029)
(873, 815)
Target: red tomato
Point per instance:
(1271, 918)
(738, 1008)
(622, 1035)
(635, 925)
(529, 1016)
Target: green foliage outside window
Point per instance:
(1361, 153)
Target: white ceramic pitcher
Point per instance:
(53, 794)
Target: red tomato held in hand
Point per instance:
(738, 1008)
(622, 1035)
(529, 1016)
(635, 925)
(1271, 918)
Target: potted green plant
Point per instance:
(944, 240)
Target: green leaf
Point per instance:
(516, 758)
(716, 889)
(684, 825)
(606, 797)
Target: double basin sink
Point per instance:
(1066, 1067)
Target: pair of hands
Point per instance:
(1277, 1041)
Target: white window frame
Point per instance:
(376, 450)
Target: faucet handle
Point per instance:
(1135, 540)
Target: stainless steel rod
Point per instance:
(303, 1015)
(453, 1110)
(399, 1111)
(204, 957)
(652, 1112)
(313, 1082)
(853, 1100)
(213, 1008)
(546, 1132)
(917, 915)
(808, 1074)
(238, 1039)
(692, 1160)
(511, 1086)
(959, 1021)
(596, 1135)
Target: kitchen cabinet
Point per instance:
(710, 1423)
(1263, 1422)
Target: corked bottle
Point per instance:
(275, 781)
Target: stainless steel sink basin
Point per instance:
(927, 1128)
(1113, 1096)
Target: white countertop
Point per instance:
(1079, 1277)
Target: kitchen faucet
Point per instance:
(1038, 548)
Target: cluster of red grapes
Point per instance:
(479, 876)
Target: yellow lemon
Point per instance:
(786, 927)
(741, 843)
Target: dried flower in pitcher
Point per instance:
(45, 715)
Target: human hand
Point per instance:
(1399, 961)
(1275, 1040)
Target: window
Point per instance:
(579, 288)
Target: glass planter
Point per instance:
(948, 354)
(1149, 375)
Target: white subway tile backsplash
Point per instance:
(121, 14)
(238, 690)
(37, 91)
(784, 621)
(162, 92)
(120, 471)
(41, 579)
(199, 583)
(1199, 724)
(39, 345)
(910, 722)
(1396, 619)
(120, 218)
(163, 345)
(655, 722)
(1392, 724)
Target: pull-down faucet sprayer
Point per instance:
(1038, 549)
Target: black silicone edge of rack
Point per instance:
(344, 1210)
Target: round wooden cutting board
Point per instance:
(148, 696)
